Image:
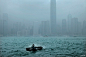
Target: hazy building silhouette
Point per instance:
(1, 26)
(5, 24)
(79, 28)
(53, 16)
(84, 28)
(45, 28)
(35, 29)
(69, 24)
(64, 27)
(18, 28)
(74, 26)
(59, 30)
(14, 30)
(27, 31)
(31, 31)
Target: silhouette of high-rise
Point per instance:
(35, 28)
(69, 24)
(1, 27)
(74, 26)
(79, 28)
(5, 24)
(45, 28)
(53, 16)
(84, 28)
(64, 27)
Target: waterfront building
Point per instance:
(74, 26)
(53, 16)
(5, 24)
(35, 28)
(84, 28)
(1, 27)
(69, 24)
(64, 27)
(45, 28)
(79, 28)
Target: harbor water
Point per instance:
(52, 46)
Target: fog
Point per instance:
(22, 14)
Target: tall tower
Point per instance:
(64, 28)
(35, 28)
(1, 27)
(69, 24)
(84, 28)
(45, 28)
(53, 16)
(5, 24)
(74, 26)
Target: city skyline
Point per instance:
(59, 17)
(42, 28)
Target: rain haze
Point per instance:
(38, 10)
(28, 12)
(42, 28)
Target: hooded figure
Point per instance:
(33, 47)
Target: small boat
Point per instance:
(37, 48)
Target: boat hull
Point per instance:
(37, 48)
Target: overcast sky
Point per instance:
(38, 10)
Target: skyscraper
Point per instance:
(1, 27)
(69, 24)
(5, 24)
(79, 28)
(74, 26)
(35, 28)
(45, 28)
(64, 28)
(53, 16)
(84, 28)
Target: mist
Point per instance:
(30, 17)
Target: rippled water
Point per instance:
(52, 46)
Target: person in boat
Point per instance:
(33, 47)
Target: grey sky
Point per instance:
(37, 10)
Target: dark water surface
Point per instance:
(52, 46)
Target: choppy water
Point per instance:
(52, 46)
